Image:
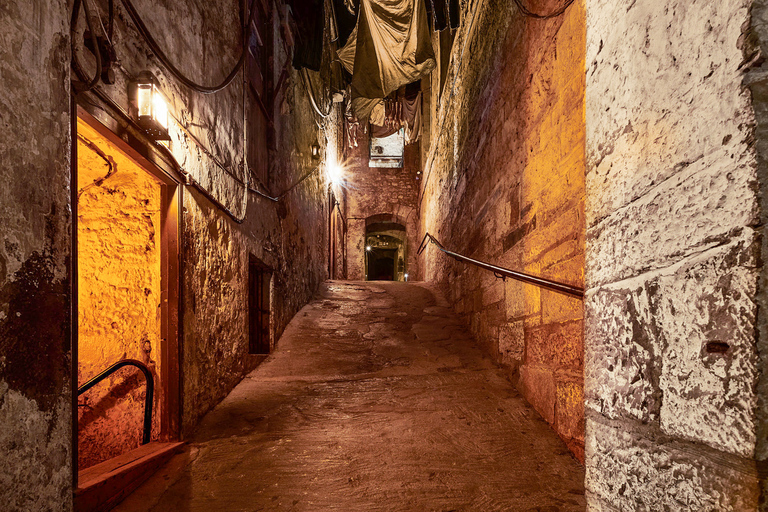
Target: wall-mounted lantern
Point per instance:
(150, 106)
(315, 150)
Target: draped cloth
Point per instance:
(399, 113)
(389, 47)
(395, 113)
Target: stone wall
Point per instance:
(35, 379)
(373, 191)
(504, 183)
(289, 236)
(673, 256)
(210, 145)
(207, 152)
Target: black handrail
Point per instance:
(567, 289)
(150, 389)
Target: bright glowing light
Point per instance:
(152, 109)
(144, 99)
(368, 248)
(335, 173)
(160, 109)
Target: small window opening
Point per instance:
(387, 151)
(259, 287)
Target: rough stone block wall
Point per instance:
(373, 191)
(290, 236)
(504, 183)
(35, 379)
(673, 257)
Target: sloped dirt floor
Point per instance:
(375, 400)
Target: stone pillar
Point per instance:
(35, 238)
(672, 258)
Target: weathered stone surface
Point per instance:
(512, 343)
(640, 470)
(539, 389)
(569, 413)
(710, 361)
(36, 453)
(380, 191)
(360, 415)
(753, 44)
(504, 183)
(35, 352)
(119, 296)
(203, 40)
(557, 345)
(715, 195)
(663, 94)
(289, 236)
(672, 256)
(678, 347)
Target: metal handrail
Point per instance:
(573, 291)
(150, 389)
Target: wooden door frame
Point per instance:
(266, 273)
(170, 278)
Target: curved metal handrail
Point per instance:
(573, 291)
(150, 389)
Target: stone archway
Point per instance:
(386, 249)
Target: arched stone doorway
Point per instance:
(385, 252)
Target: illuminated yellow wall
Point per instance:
(119, 286)
(504, 182)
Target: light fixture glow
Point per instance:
(405, 276)
(150, 105)
(335, 173)
(160, 110)
(368, 248)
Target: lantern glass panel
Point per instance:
(144, 100)
(160, 110)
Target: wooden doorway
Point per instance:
(127, 267)
(259, 307)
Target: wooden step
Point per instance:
(104, 485)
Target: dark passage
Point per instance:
(381, 265)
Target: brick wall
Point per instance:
(504, 183)
(373, 191)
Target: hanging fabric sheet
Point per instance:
(400, 112)
(390, 47)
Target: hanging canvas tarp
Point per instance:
(399, 112)
(390, 47)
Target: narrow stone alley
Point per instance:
(376, 399)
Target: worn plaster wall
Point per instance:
(504, 183)
(380, 191)
(119, 296)
(210, 145)
(673, 256)
(35, 382)
(203, 39)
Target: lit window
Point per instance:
(387, 151)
